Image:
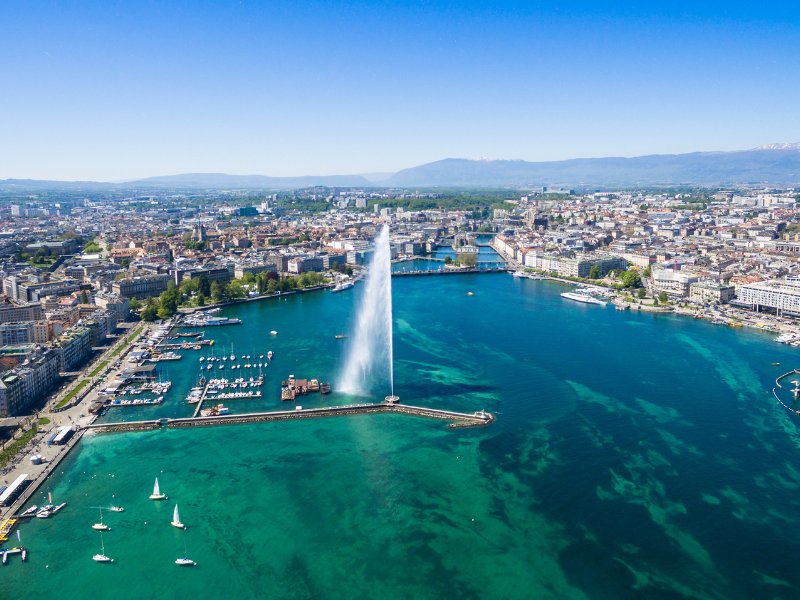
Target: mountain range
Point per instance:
(771, 163)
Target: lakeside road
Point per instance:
(78, 414)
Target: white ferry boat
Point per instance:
(585, 298)
(343, 286)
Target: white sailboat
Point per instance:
(184, 560)
(176, 519)
(100, 526)
(157, 495)
(102, 556)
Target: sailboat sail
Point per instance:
(175, 517)
(155, 489)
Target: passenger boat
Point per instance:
(176, 519)
(102, 556)
(157, 495)
(343, 286)
(585, 298)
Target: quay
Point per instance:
(476, 419)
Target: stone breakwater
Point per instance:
(460, 419)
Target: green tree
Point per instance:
(662, 297)
(467, 259)
(631, 279)
(201, 300)
(203, 285)
(646, 272)
(84, 297)
(594, 272)
(149, 313)
(272, 286)
(248, 278)
(216, 292)
(448, 260)
(134, 304)
(124, 263)
(641, 293)
(92, 248)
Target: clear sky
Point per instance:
(120, 90)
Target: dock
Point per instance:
(476, 419)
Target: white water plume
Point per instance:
(371, 345)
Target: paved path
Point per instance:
(78, 414)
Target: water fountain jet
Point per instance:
(371, 345)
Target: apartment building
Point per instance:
(142, 287)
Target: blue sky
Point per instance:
(109, 91)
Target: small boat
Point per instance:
(43, 514)
(30, 512)
(260, 356)
(341, 336)
(58, 508)
(176, 519)
(102, 556)
(100, 526)
(775, 364)
(157, 495)
(116, 509)
(185, 561)
(269, 355)
(274, 332)
(470, 294)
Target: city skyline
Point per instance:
(109, 94)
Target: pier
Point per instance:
(476, 419)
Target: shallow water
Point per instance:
(633, 456)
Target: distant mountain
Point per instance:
(223, 181)
(774, 163)
(770, 163)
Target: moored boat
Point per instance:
(176, 519)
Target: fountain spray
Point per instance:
(372, 341)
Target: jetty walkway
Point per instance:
(477, 419)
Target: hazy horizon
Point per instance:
(106, 93)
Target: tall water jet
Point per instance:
(371, 346)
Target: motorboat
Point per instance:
(269, 355)
(185, 561)
(116, 509)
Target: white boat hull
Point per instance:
(178, 524)
(185, 562)
(101, 527)
(102, 558)
(157, 497)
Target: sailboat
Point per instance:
(157, 495)
(100, 526)
(269, 355)
(176, 519)
(184, 560)
(102, 556)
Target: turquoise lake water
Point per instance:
(633, 456)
